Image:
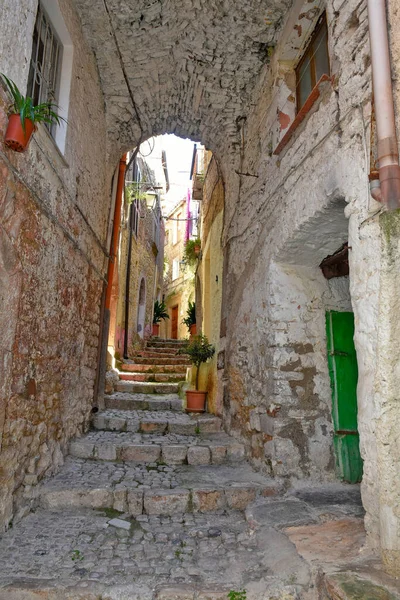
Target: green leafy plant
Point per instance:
(160, 312)
(237, 595)
(199, 351)
(133, 191)
(76, 555)
(46, 112)
(190, 254)
(190, 318)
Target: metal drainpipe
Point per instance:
(388, 154)
(115, 233)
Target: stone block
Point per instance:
(135, 502)
(239, 498)
(166, 502)
(183, 592)
(153, 426)
(254, 419)
(159, 404)
(210, 425)
(176, 404)
(143, 453)
(235, 451)
(174, 455)
(116, 423)
(99, 498)
(198, 455)
(207, 500)
(120, 524)
(120, 500)
(218, 454)
(212, 594)
(99, 421)
(183, 428)
(267, 424)
(132, 425)
(81, 449)
(106, 451)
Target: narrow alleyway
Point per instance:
(156, 504)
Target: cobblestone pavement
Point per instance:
(273, 550)
(145, 516)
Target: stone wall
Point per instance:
(146, 264)
(52, 260)
(289, 208)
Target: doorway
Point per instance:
(343, 371)
(141, 308)
(174, 322)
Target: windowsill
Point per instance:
(303, 112)
(45, 141)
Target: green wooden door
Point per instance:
(343, 371)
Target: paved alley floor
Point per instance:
(277, 548)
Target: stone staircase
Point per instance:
(166, 461)
(157, 504)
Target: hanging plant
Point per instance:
(23, 116)
(192, 251)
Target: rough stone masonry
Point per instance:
(221, 72)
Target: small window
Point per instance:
(175, 269)
(45, 67)
(313, 64)
(135, 216)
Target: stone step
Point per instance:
(170, 449)
(128, 401)
(153, 368)
(169, 360)
(156, 353)
(160, 490)
(144, 421)
(160, 343)
(147, 387)
(153, 377)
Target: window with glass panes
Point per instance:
(313, 64)
(45, 64)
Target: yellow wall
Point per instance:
(180, 290)
(210, 272)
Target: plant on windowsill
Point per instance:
(192, 251)
(159, 314)
(190, 319)
(199, 351)
(23, 116)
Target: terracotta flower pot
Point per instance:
(196, 401)
(197, 250)
(192, 329)
(156, 329)
(16, 138)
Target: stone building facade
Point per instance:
(55, 212)
(178, 287)
(296, 189)
(140, 277)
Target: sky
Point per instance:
(179, 160)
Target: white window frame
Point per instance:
(53, 12)
(175, 269)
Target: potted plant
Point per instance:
(192, 251)
(159, 314)
(199, 351)
(23, 116)
(190, 319)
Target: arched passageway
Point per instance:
(228, 75)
